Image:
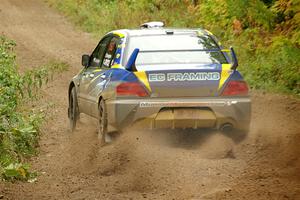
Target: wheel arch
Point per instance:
(72, 84)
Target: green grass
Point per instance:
(19, 125)
(267, 35)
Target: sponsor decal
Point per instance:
(157, 77)
(194, 76)
(185, 104)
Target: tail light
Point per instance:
(236, 88)
(131, 89)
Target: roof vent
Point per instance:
(152, 25)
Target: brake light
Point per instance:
(131, 89)
(236, 88)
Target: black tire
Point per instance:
(73, 111)
(103, 134)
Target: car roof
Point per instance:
(159, 31)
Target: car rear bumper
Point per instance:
(180, 113)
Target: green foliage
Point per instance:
(100, 16)
(19, 130)
(288, 18)
(265, 33)
(33, 80)
(268, 59)
(18, 171)
(275, 67)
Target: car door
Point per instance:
(101, 81)
(89, 74)
(96, 76)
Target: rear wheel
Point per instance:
(73, 111)
(103, 134)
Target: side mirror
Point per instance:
(85, 60)
(235, 62)
(130, 66)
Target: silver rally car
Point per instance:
(156, 77)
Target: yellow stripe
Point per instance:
(121, 35)
(210, 33)
(225, 50)
(226, 71)
(117, 66)
(97, 70)
(142, 76)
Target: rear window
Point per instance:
(176, 49)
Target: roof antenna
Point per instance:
(156, 24)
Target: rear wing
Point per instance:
(130, 66)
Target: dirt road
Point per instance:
(145, 165)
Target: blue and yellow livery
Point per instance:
(158, 77)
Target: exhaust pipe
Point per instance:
(226, 128)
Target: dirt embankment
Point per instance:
(145, 165)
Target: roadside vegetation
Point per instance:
(19, 122)
(265, 33)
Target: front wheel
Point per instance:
(73, 111)
(103, 134)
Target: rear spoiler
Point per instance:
(130, 66)
(234, 60)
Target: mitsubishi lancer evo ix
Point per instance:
(157, 77)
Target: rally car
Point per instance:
(156, 77)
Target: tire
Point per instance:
(103, 134)
(73, 111)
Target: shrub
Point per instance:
(19, 128)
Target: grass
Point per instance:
(19, 125)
